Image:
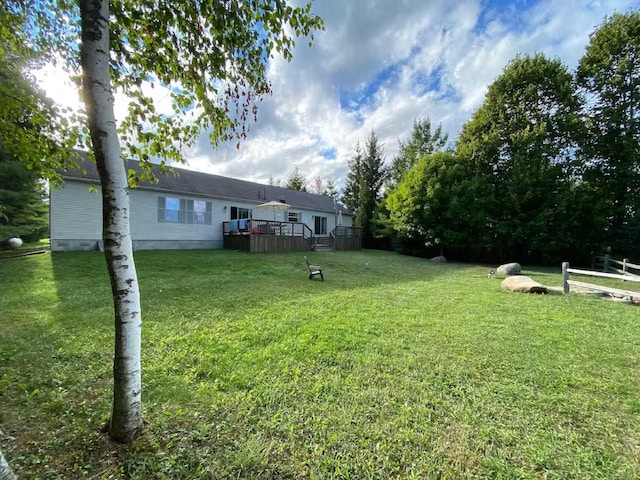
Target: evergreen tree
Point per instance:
(330, 188)
(274, 182)
(364, 183)
(351, 192)
(318, 185)
(372, 175)
(296, 181)
(24, 212)
(421, 142)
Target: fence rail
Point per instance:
(609, 264)
(567, 283)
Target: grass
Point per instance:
(394, 367)
(38, 246)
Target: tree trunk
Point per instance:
(5, 470)
(126, 418)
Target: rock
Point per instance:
(15, 243)
(509, 269)
(522, 284)
(439, 258)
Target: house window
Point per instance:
(197, 210)
(293, 217)
(320, 225)
(238, 213)
(181, 210)
(168, 209)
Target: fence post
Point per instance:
(624, 266)
(565, 277)
(606, 263)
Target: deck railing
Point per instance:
(266, 227)
(271, 235)
(266, 235)
(346, 238)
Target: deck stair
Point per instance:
(322, 244)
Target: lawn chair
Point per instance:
(314, 270)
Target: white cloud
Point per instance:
(397, 60)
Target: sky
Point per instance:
(380, 64)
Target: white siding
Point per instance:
(76, 215)
(145, 224)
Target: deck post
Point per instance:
(565, 277)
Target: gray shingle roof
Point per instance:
(188, 182)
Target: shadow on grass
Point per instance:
(56, 361)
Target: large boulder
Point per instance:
(509, 269)
(15, 243)
(523, 284)
(439, 258)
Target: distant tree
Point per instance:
(330, 188)
(296, 180)
(275, 182)
(372, 175)
(364, 183)
(609, 76)
(522, 145)
(318, 185)
(432, 207)
(22, 197)
(351, 192)
(421, 142)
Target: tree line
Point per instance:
(297, 181)
(547, 168)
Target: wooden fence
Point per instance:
(567, 283)
(607, 264)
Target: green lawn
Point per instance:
(394, 367)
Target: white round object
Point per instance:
(15, 243)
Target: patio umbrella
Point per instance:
(274, 205)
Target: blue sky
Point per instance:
(381, 63)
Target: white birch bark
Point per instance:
(126, 418)
(5, 470)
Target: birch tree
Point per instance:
(5, 470)
(213, 57)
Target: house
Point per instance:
(188, 209)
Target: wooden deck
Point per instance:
(281, 237)
(267, 236)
